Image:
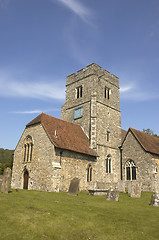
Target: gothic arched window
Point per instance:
(89, 173)
(28, 149)
(108, 164)
(130, 170)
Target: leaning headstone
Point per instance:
(135, 190)
(6, 180)
(74, 186)
(121, 186)
(112, 195)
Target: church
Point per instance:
(86, 143)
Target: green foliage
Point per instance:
(59, 216)
(6, 159)
(150, 132)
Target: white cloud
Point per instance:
(36, 111)
(39, 89)
(135, 93)
(126, 88)
(77, 8)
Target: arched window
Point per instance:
(108, 164)
(89, 173)
(28, 149)
(130, 170)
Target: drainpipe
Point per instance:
(121, 169)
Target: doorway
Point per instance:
(26, 178)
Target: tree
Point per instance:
(150, 132)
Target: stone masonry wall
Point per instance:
(41, 172)
(74, 165)
(49, 170)
(144, 162)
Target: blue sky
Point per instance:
(43, 41)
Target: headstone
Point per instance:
(74, 186)
(135, 190)
(129, 187)
(6, 180)
(155, 200)
(121, 186)
(112, 195)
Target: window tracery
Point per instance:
(28, 149)
(130, 170)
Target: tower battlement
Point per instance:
(91, 69)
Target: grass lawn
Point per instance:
(43, 215)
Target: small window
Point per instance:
(89, 173)
(77, 113)
(79, 92)
(130, 170)
(107, 93)
(108, 164)
(108, 136)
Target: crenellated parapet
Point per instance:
(91, 69)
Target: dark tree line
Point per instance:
(6, 159)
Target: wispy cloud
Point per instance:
(77, 7)
(126, 88)
(36, 111)
(134, 93)
(22, 88)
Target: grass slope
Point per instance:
(42, 215)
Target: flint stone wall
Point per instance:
(48, 171)
(145, 172)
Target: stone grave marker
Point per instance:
(121, 186)
(154, 200)
(112, 195)
(6, 180)
(74, 186)
(129, 187)
(135, 190)
(155, 197)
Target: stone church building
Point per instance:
(86, 143)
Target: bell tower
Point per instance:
(92, 101)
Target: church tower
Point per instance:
(92, 101)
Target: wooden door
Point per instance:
(26, 177)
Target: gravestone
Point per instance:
(154, 200)
(6, 180)
(129, 187)
(112, 195)
(121, 186)
(135, 190)
(74, 186)
(155, 197)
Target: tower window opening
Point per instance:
(107, 93)
(79, 92)
(108, 136)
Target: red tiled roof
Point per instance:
(68, 135)
(123, 134)
(148, 142)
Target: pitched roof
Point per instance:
(148, 142)
(68, 135)
(123, 134)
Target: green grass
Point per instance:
(42, 215)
